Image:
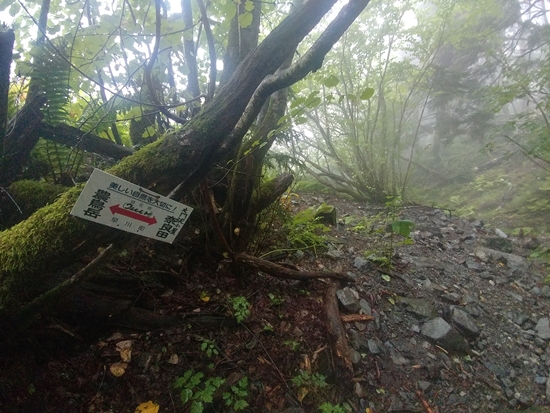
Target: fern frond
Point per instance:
(50, 75)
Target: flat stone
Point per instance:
(543, 328)
(365, 307)
(436, 329)
(464, 323)
(375, 346)
(357, 340)
(420, 308)
(441, 332)
(512, 261)
(473, 265)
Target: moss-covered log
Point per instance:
(182, 158)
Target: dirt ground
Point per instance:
(165, 328)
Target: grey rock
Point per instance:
(511, 260)
(464, 323)
(347, 298)
(424, 385)
(543, 328)
(365, 307)
(545, 291)
(436, 329)
(451, 297)
(336, 254)
(362, 264)
(500, 233)
(540, 379)
(397, 358)
(499, 244)
(487, 276)
(354, 276)
(357, 340)
(422, 262)
(420, 308)
(499, 371)
(520, 319)
(441, 332)
(473, 265)
(355, 356)
(375, 346)
(536, 291)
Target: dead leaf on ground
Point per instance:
(147, 407)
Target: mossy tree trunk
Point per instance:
(180, 160)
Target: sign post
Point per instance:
(109, 200)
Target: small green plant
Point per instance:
(235, 398)
(304, 231)
(384, 260)
(209, 347)
(241, 308)
(275, 300)
(294, 345)
(309, 380)
(331, 408)
(196, 392)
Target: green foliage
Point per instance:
(209, 347)
(32, 195)
(403, 227)
(304, 230)
(293, 344)
(331, 408)
(235, 398)
(196, 392)
(50, 73)
(312, 381)
(241, 308)
(275, 300)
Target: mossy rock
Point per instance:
(326, 214)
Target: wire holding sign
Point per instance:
(109, 200)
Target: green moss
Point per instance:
(32, 195)
(144, 161)
(30, 246)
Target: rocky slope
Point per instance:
(459, 324)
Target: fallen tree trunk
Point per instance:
(180, 159)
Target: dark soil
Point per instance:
(169, 309)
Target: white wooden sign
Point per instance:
(117, 203)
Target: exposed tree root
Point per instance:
(338, 341)
(279, 271)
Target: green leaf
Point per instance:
(245, 19)
(313, 103)
(402, 227)
(331, 81)
(186, 395)
(386, 277)
(14, 9)
(367, 93)
(296, 102)
(249, 5)
(4, 4)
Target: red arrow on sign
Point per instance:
(116, 209)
